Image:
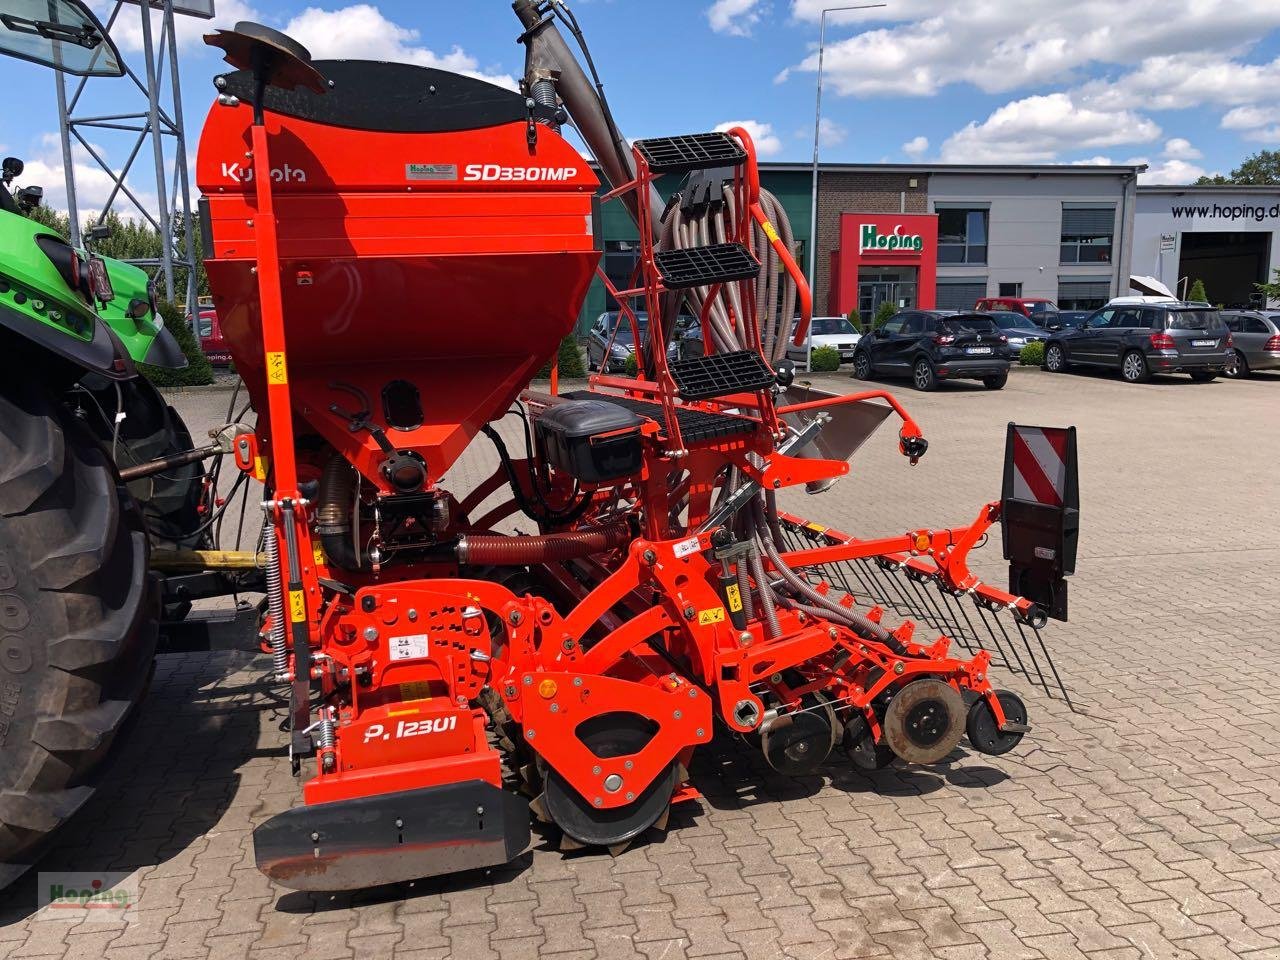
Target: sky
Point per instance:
(1185, 86)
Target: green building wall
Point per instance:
(791, 187)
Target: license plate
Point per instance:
(977, 351)
(1204, 343)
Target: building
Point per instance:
(919, 235)
(1227, 236)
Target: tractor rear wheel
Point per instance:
(78, 617)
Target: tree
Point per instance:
(1270, 290)
(856, 319)
(883, 314)
(1261, 168)
(1198, 293)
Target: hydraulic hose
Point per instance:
(500, 551)
(335, 502)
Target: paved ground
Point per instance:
(1146, 827)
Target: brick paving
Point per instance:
(1145, 827)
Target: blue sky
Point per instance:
(1187, 86)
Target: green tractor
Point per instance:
(79, 609)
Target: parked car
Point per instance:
(211, 339)
(1034, 307)
(1256, 336)
(1142, 339)
(929, 346)
(1019, 330)
(1067, 318)
(602, 340)
(835, 332)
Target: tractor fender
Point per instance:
(165, 351)
(103, 354)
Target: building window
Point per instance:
(1083, 294)
(1010, 290)
(620, 259)
(1086, 234)
(962, 236)
(960, 296)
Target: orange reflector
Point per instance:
(547, 689)
(922, 541)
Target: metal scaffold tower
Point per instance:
(155, 94)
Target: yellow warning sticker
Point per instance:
(734, 596)
(416, 690)
(277, 372)
(297, 606)
(769, 232)
(708, 617)
(260, 468)
(816, 527)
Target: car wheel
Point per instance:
(1055, 360)
(1238, 368)
(1204, 376)
(861, 365)
(923, 377)
(1133, 367)
(997, 382)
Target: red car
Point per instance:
(1033, 307)
(211, 342)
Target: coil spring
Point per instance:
(275, 600)
(325, 738)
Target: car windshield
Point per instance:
(831, 326)
(1193, 320)
(622, 325)
(1009, 321)
(967, 325)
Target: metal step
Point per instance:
(719, 374)
(703, 266)
(693, 151)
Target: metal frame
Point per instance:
(162, 117)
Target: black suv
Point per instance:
(933, 345)
(1145, 338)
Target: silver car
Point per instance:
(1256, 337)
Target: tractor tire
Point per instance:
(78, 617)
(151, 429)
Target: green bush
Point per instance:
(856, 319)
(883, 314)
(1198, 292)
(570, 361)
(1032, 355)
(633, 365)
(198, 370)
(824, 359)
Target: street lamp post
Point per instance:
(817, 129)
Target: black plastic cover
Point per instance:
(594, 441)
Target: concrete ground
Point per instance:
(1146, 826)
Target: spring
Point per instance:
(325, 738)
(275, 601)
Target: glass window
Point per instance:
(1150, 319)
(1086, 235)
(962, 236)
(1104, 318)
(1254, 325)
(831, 326)
(914, 324)
(893, 324)
(1011, 289)
(206, 327)
(1082, 294)
(1193, 320)
(967, 324)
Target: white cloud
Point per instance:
(831, 133)
(768, 143)
(127, 31)
(93, 184)
(362, 32)
(916, 146)
(1250, 118)
(1172, 171)
(1000, 46)
(1172, 82)
(1179, 148)
(734, 17)
(1037, 129)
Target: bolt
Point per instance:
(701, 732)
(220, 82)
(899, 667)
(630, 795)
(689, 612)
(399, 823)
(777, 484)
(745, 638)
(628, 764)
(567, 646)
(371, 634)
(514, 618)
(832, 632)
(677, 714)
(528, 679)
(693, 693)
(412, 615)
(555, 708)
(510, 691)
(596, 770)
(577, 681)
(315, 838)
(613, 783)
(980, 678)
(599, 802)
(368, 603)
(649, 556)
(479, 811)
(776, 678)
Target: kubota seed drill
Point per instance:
(394, 252)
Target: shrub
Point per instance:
(856, 319)
(198, 370)
(885, 311)
(633, 365)
(1198, 292)
(824, 359)
(1032, 354)
(570, 361)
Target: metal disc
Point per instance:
(981, 727)
(798, 743)
(618, 735)
(860, 745)
(925, 721)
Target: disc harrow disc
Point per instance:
(579, 817)
(925, 721)
(797, 744)
(981, 727)
(860, 745)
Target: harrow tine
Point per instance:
(1048, 659)
(1030, 653)
(959, 635)
(1008, 664)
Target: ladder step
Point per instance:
(703, 266)
(719, 374)
(693, 151)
